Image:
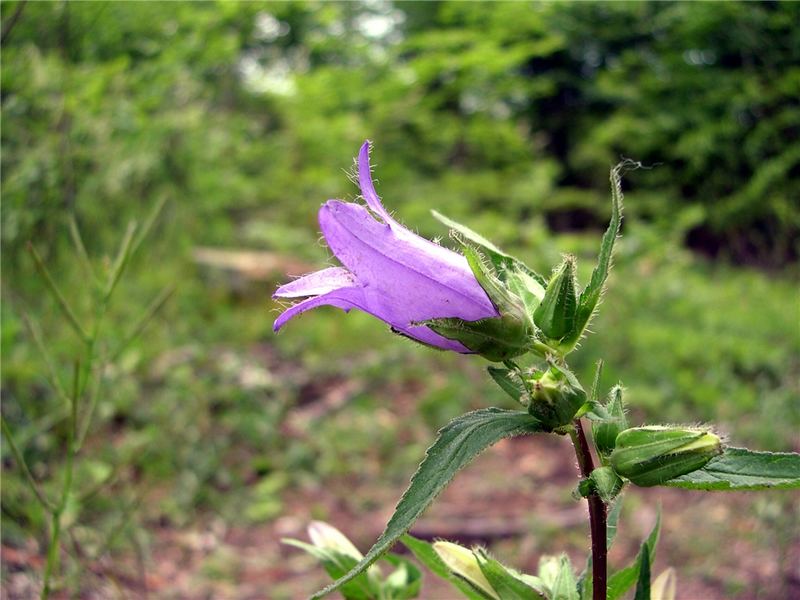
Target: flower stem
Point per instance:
(597, 515)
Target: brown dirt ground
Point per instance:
(523, 483)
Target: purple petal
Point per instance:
(316, 284)
(344, 298)
(405, 278)
(367, 188)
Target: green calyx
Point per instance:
(653, 455)
(546, 318)
(504, 337)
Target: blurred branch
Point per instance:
(24, 466)
(77, 240)
(53, 379)
(8, 26)
(144, 320)
(62, 302)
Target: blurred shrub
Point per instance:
(242, 111)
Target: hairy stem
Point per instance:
(597, 515)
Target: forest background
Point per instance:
(213, 437)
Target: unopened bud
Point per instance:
(555, 316)
(556, 395)
(327, 537)
(652, 455)
(463, 563)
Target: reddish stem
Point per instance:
(597, 516)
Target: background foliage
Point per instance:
(245, 116)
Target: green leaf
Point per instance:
(606, 483)
(496, 339)
(612, 521)
(621, 581)
(404, 582)
(590, 296)
(743, 469)
(424, 553)
(507, 585)
(509, 381)
(501, 260)
(336, 564)
(643, 584)
(457, 444)
(564, 587)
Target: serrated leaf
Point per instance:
(457, 444)
(591, 294)
(621, 581)
(743, 469)
(507, 585)
(643, 583)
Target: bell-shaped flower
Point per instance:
(388, 271)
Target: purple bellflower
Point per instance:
(389, 272)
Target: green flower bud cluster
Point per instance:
(556, 396)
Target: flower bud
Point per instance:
(555, 316)
(327, 537)
(556, 395)
(652, 455)
(463, 563)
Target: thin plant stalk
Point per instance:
(597, 515)
(55, 530)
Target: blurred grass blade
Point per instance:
(152, 309)
(80, 248)
(457, 444)
(37, 491)
(123, 255)
(59, 297)
(94, 394)
(148, 223)
(52, 378)
(643, 583)
(743, 469)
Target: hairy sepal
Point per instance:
(590, 297)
